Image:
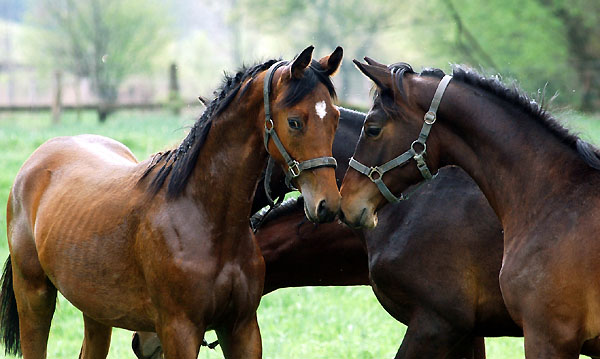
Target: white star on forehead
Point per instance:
(320, 108)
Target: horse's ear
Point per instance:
(380, 75)
(372, 62)
(332, 62)
(300, 63)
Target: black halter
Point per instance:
(294, 167)
(375, 173)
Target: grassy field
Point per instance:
(313, 322)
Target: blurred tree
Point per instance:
(581, 22)
(104, 40)
(553, 42)
(353, 24)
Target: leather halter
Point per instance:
(294, 167)
(376, 173)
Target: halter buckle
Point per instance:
(374, 170)
(430, 117)
(294, 169)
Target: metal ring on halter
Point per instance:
(375, 170)
(270, 124)
(430, 117)
(412, 147)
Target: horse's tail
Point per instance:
(9, 318)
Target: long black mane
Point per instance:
(513, 95)
(179, 163)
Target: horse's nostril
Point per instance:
(322, 210)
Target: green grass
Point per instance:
(313, 322)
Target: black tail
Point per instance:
(9, 318)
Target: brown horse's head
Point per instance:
(305, 120)
(390, 128)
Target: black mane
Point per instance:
(512, 95)
(265, 216)
(179, 163)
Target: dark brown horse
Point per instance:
(541, 181)
(164, 245)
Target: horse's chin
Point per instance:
(369, 220)
(308, 214)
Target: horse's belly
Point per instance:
(112, 296)
(94, 267)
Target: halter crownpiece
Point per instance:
(294, 167)
(376, 173)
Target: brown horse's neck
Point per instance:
(514, 158)
(229, 165)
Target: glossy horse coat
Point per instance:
(541, 181)
(162, 245)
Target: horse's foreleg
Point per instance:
(96, 340)
(180, 337)
(552, 339)
(241, 340)
(479, 347)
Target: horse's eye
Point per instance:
(373, 131)
(295, 123)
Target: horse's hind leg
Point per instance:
(241, 340)
(36, 300)
(96, 340)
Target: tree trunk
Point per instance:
(174, 97)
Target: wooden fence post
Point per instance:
(57, 98)
(175, 102)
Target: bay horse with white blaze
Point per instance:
(164, 244)
(541, 181)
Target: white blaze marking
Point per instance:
(320, 108)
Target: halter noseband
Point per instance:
(294, 167)
(376, 173)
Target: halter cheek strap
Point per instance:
(376, 173)
(294, 167)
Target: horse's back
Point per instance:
(73, 164)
